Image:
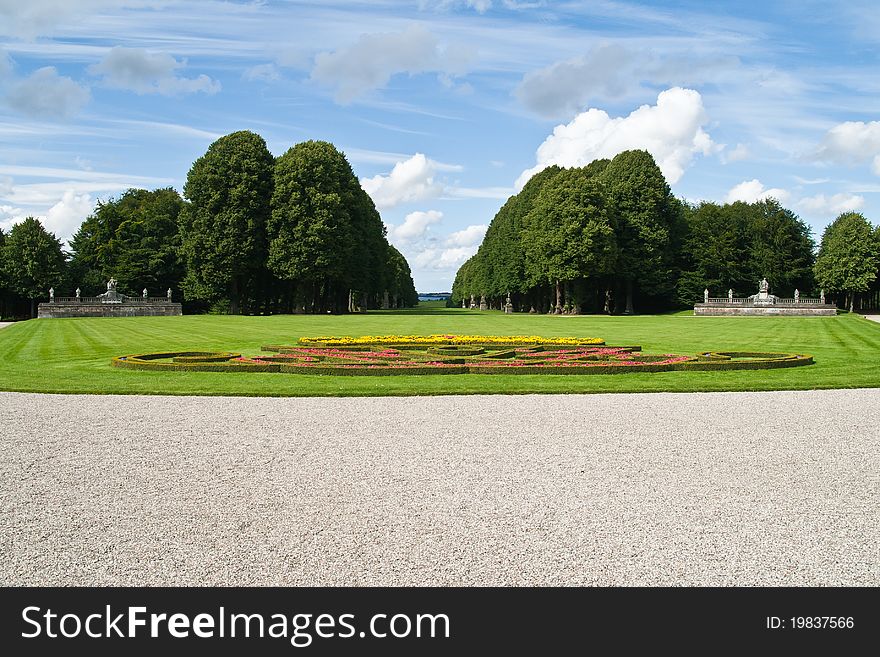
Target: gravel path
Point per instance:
(5, 324)
(873, 318)
(777, 489)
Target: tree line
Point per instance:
(253, 234)
(611, 237)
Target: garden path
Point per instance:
(767, 488)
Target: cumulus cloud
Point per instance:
(753, 190)
(470, 236)
(370, 62)
(852, 142)
(440, 259)
(671, 131)
(414, 227)
(65, 217)
(143, 72)
(45, 94)
(831, 206)
(411, 180)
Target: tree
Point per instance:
(134, 239)
(713, 254)
(781, 247)
(223, 229)
(646, 213)
(325, 235)
(848, 257)
(569, 233)
(33, 260)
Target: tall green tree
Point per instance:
(223, 228)
(781, 247)
(33, 260)
(569, 232)
(502, 249)
(849, 257)
(646, 215)
(134, 238)
(325, 235)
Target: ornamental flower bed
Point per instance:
(482, 355)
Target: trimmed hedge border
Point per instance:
(336, 365)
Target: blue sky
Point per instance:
(443, 107)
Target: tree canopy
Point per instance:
(33, 260)
(849, 256)
(134, 239)
(223, 228)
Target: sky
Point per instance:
(444, 108)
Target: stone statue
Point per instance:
(111, 285)
(730, 295)
(706, 295)
(797, 296)
(77, 293)
(51, 295)
(145, 293)
(169, 294)
(473, 302)
(463, 302)
(508, 306)
(822, 297)
(482, 302)
(763, 286)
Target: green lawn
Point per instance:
(73, 355)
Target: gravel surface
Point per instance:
(5, 324)
(873, 318)
(773, 488)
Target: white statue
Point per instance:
(145, 293)
(706, 295)
(797, 295)
(763, 286)
(77, 293)
(730, 295)
(169, 294)
(111, 284)
(51, 294)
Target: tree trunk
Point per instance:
(629, 297)
(33, 314)
(558, 297)
(852, 300)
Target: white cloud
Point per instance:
(45, 94)
(40, 17)
(481, 6)
(470, 236)
(143, 72)
(852, 142)
(439, 259)
(414, 227)
(741, 152)
(370, 62)
(262, 72)
(565, 87)
(410, 180)
(65, 217)
(5, 185)
(753, 190)
(831, 206)
(671, 131)
(612, 71)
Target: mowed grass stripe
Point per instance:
(74, 355)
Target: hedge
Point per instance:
(465, 360)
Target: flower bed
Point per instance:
(534, 355)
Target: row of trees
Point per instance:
(255, 234)
(610, 237)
